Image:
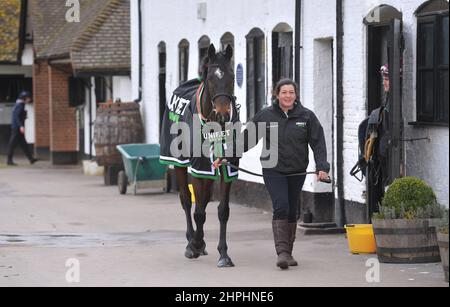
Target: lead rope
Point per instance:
(226, 163)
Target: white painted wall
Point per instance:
(90, 113)
(28, 55)
(122, 89)
(30, 133)
(183, 24)
(319, 23)
(428, 161)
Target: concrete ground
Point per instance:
(50, 215)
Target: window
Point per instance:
(12, 85)
(256, 72)
(162, 59)
(282, 53)
(432, 62)
(228, 40)
(183, 68)
(203, 45)
(76, 92)
(103, 89)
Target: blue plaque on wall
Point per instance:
(240, 75)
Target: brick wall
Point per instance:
(63, 124)
(41, 104)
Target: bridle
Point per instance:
(232, 99)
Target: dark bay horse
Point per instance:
(214, 102)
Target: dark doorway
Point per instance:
(378, 56)
(228, 40)
(203, 45)
(384, 45)
(162, 60)
(183, 61)
(256, 72)
(282, 53)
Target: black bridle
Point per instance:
(231, 97)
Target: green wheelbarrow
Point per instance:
(142, 168)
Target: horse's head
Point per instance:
(220, 84)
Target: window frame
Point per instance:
(439, 113)
(183, 61)
(256, 71)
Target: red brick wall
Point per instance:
(41, 104)
(63, 125)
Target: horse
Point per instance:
(213, 102)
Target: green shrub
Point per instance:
(410, 193)
(409, 198)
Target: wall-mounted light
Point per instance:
(202, 10)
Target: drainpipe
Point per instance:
(340, 110)
(139, 99)
(298, 47)
(23, 29)
(90, 121)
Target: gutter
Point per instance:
(91, 141)
(340, 111)
(298, 47)
(23, 29)
(139, 99)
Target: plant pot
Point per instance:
(407, 241)
(443, 246)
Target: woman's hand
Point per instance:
(323, 176)
(22, 130)
(218, 163)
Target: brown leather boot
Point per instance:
(281, 237)
(292, 235)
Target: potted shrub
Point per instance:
(405, 227)
(443, 244)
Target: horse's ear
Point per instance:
(211, 52)
(229, 52)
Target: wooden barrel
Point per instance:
(443, 245)
(116, 124)
(407, 241)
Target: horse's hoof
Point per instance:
(225, 263)
(190, 254)
(198, 250)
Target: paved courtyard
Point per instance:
(50, 217)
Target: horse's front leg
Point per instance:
(186, 203)
(224, 215)
(203, 193)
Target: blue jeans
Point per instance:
(285, 194)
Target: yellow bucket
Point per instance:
(361, 239)
(191, 188)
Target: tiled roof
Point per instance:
(10, 30)
(100, 41)
(105, 45)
